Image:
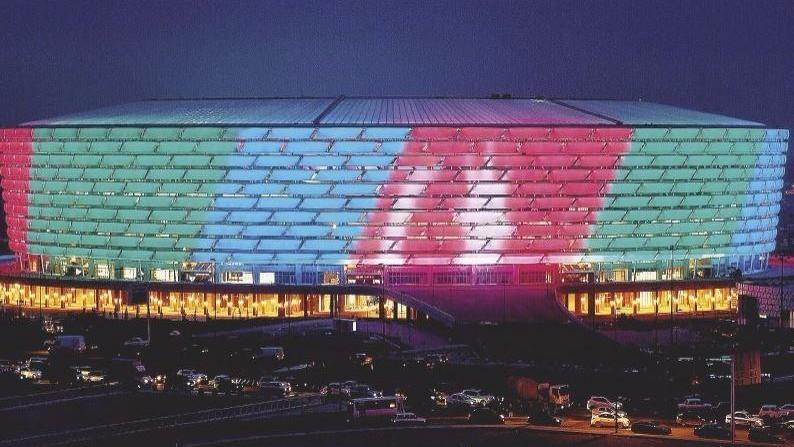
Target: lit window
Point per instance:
(267, 278)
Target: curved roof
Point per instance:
(391, 111)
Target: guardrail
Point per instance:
(12, 402)
(167, 422)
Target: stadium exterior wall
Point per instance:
(477, 209)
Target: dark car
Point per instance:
(650, 428)
(544, 419)
(485, 416)
(690, 419)
(764, 434)
(714, 431)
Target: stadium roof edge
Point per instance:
(391, 111)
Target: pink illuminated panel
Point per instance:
(476, 195)
(16, 148)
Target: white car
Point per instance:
(30, 374)
(608, 420)
(186, 372)
(744, 418)
(478, 396)
(196, 379)
(693, 403)
(408, 419)
(136, 341)
(601, 401)
(606, 410)
(95, 377)
(460, 400)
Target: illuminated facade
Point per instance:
(460, 203)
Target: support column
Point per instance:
(381, 307)
(282, 305)
(340, 304)
(305, 305)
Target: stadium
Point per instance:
(451, 209)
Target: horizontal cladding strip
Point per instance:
(235, 134)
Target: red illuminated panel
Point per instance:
(448, 188)
(16, 148)
(518, 194)
(526, 133)
(474, 133)
(542, 147)
(448, 147)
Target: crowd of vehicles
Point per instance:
(526, 392)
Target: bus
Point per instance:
(372, 408)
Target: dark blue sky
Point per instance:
(731, 57)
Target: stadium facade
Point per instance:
(454, 208)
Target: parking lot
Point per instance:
(114, 373)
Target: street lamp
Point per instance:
(670, 278)
(733, 397)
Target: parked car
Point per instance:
(485, 416)
(359, 391)
(743, 418)
(785, 411)
(764, 434)
(269, 353)
(276, 388)
(651, 428)
(607, 410)
(222, 383)
(460, 400)
(712, 431)
(693, 403)
(544, 418)
(408, 419)
(439, 399)
(478, 396)
(96, 376)
(332, 389)
(608, 420)
(768, 412)
(144, 382)
(689, 419)
(196, 379)
(362, 359)
(6, 366)
(31, 373)
(136, 342)
(601, 402)
(68, 343)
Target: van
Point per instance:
(69, 342)
(269, 353)
(276, 388)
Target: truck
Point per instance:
(69, 342)
(556, 396)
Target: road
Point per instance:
(452, 435)
(246, 429)
(579, 423)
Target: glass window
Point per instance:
(267, 278)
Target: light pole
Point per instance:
(670, 278)
(733, 397)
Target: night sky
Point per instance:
(730, 57)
